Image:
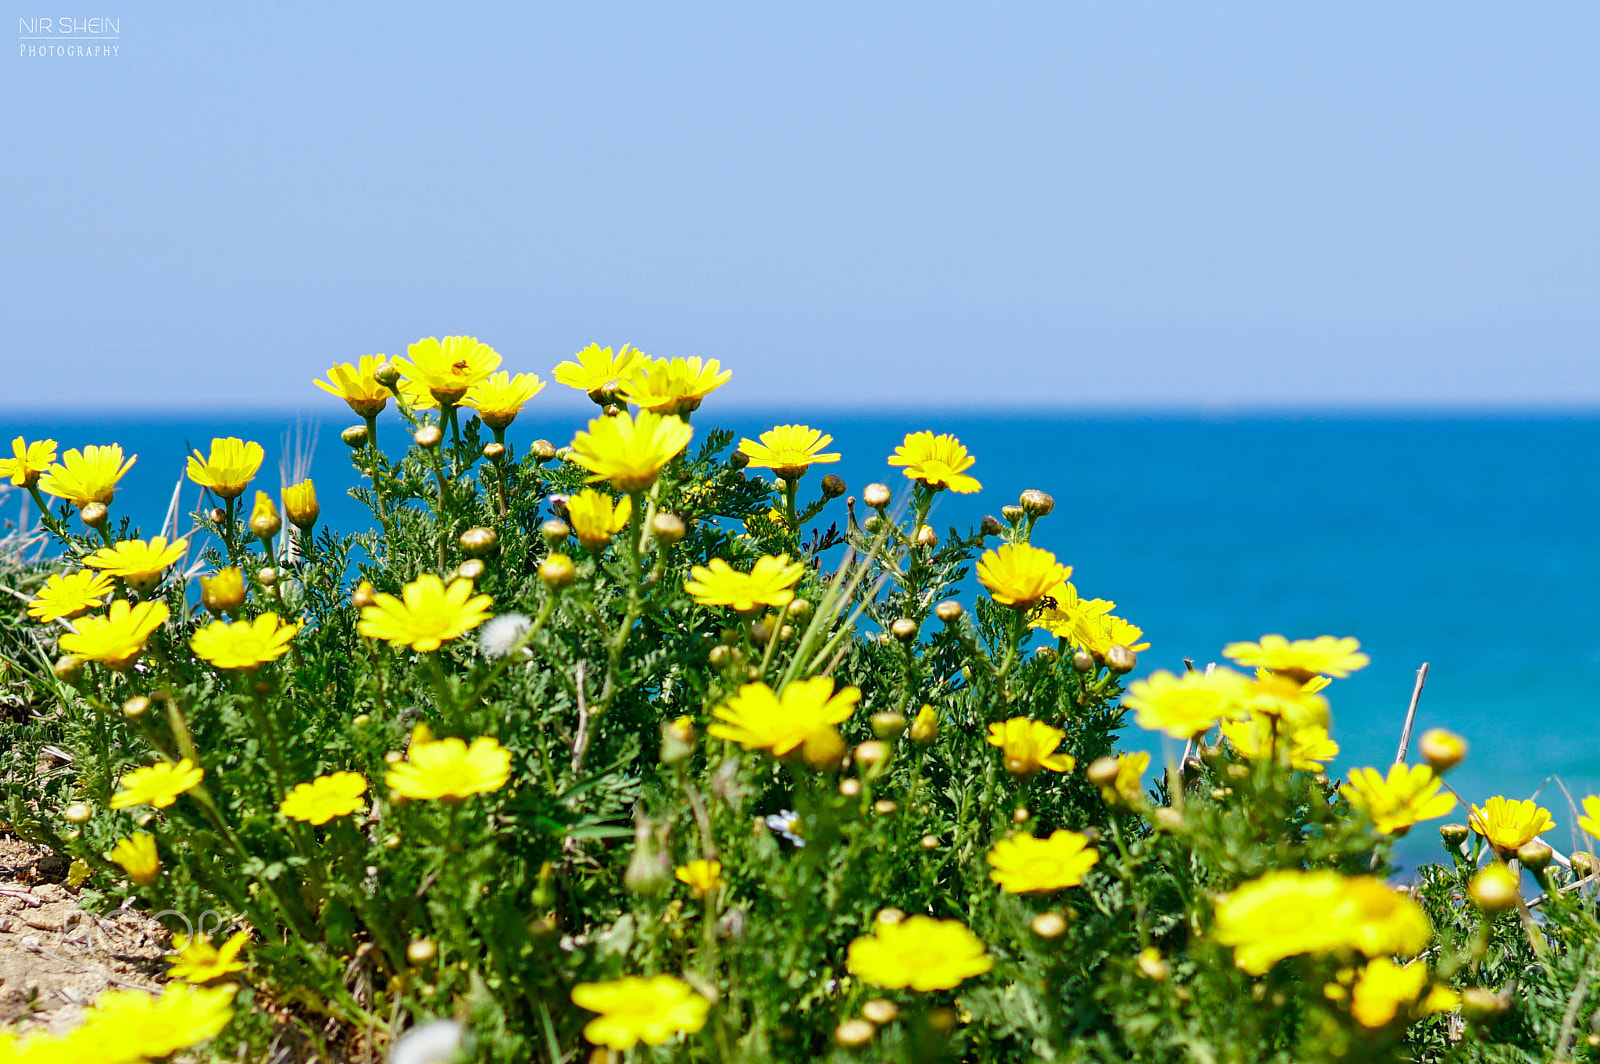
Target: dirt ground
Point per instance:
(54, 957)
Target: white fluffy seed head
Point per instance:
(502, 633)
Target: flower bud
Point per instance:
(354, 436)
(850, 788)
(387, 374)
(217, 515)
(823, 749)
(991, 526)
(542, 451)
(833, 486)
(738, 460)
(68, 668)
(300, 503)
(267, 575)
(1479, 1004)
(1494, 889)
(470, 569)
(421, 950)
(925, 728)
(95, 514)
(264, 520)
(677, 741)
(930, 842)
(78, 813)
(1584, 864)
(668, 528)
(1102, 771)
(854, 1033)
(885, 807)
(364, 595)
(1535, 855)
(555, 532)
(494, 450)
(1083, 661)
(1036, 503)
(880, 1011)
(1442, 750)
(927, 537)
(888, 725)
(872, 753)
(1151, 965)
(1011, 514)
(876, 496)
(558, 571)
(1049, 925)
(904, 629)
(428, 437)
(223, 592)
(476, 542)
(798, 608)
(1119, 659)
(649, 871)
(1454, 835)
(136, 707)
(949, 611)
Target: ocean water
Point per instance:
(1469, 542)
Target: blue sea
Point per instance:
(1466, 541)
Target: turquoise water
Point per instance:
(1466, 542)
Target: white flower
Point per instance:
(432, 1043)
(785, 823)
(501, 634)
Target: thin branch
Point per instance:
(1411, 714)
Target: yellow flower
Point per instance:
(138, 857)
(630, 451)
(1188, 705)
(448, 368)
(1306, 748)
(223, 591)
(28, 461)
(921, 953)
(158, 785)
(69, 596)
(757, 718)
(1508, 823)
(428, 615)
(1380, 921)
(87, 477)
(414, 395)
(450, 769)
(1384, 989)
(500, 397)
(1019, 575)
(229, 470)
(1302, 659)
(1284, 697)
(1022, 864)
(788, 450)
(675, 385)
(634, 1010)
(358, 385)
(196, 960)
(936, 461)
(244, 644)
(1590, 820)
(1030, 745)
(183, 1016)
(596, 517)
(118, 637)
(300, 503)
(1280, 915)
(770, 582)
(702, 876)
(325, 797)
(1407, 796)
(598, 372)
(1128, 787)
(138, 562)
(1064, 611)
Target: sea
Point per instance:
(1468, 540)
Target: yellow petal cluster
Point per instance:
(1287, 913)
(1508, 823)
(158, 785)
(596, 517)
(69, 595)
(138, 562)
(447, 368)
(937, 462)
(1188, 705)
(87, 477)
(1019, 575)
(633, 1010)
(673, 385)
(500, 397)
(1030, 745)
(426, 615)
(770, 582)
(137, 856)
(920, 953)
(27, 461)
(1024, 864)
(300, 503)
(196, 960)
(1306, 747)
(1302, 659)
(788, 450)
(630, 451)
(228, 470)
(599, 372)
(357, 385)
(449, 769)
(758, 718)
(1384, 990)
(703, 876)
(326, 797)
(1394, 802)
(126, 1026)
(116, 638)
(244, 644)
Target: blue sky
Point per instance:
(1043, 204)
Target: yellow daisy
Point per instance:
(300, 503)
(758, 718)
(138, 562)
(244, 644)
(1030, 745)
(788, 450)
(673, 385)
(448, 368)
(449, 769)
(596, 517)
(921, 953)
(72, 595)
(1188, 705)
(500, 397)
(770, 582)
(1302, 659)
(118, 637)
(158, 785)
(1406, 796)
(90, 476)
(598, 372)
(633, 1010)
(427, 615)
(702, 876)
(357, 385)
(1019, 575)
(630, 451)
(28, 461)
(317, 802)
(229, 470)
(1023, 864)
(937, 462)
(1306, 747)
(137, 856)
(196, 960)
(1508, 823)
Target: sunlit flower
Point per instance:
(138, 562)
(673, 385)
(599, 372)
(786, 822)
(1306, 748)
(788, 450)
(1287, 698)
(449, 768)
(427, 615)
(1030, 745)
(1408, 795)
(1128, 786)
(633, 1010)
(1023, 864)
(1280, 915)
(703, 876)
(244, 644)
(500, 397)
(1302, 659)
(1385, 989)
(936, 461)
(630, 451)
(28, 461)
(448, 368)
(1188, 705)
(196, 960)
(317, 802)
(1019, 575)
(70, 595)
(1590, 820)
(300, 503)
(757, 718)
(158, 785)
(1508, 823)
(86, 477)
(357, 385)
(118, 637)
(1063, 611)
(1380, 921)
(183, 1016)
(229, 470)
(920, 952)
(770, 582)
(137, 857)
(223, 591)
(596, 517)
